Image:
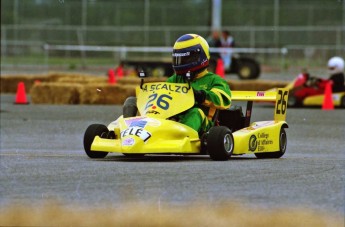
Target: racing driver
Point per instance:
(190, 59)
(336, 71)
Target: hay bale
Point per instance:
(9, 83)
(81, 79)
(105, 93)
(56, 76)
(55, 93)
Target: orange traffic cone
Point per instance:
(111, 76)
(220, 68)
(21, 95)
(119, 71)
(328, 100)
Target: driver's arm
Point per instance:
(219, 94)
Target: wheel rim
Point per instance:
(282, 142)
(104, 135)
(245, 72)
(228, 144)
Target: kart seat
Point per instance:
(233, 118)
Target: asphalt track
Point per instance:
(42, 158)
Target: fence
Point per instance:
(23, 44)
(246, 36)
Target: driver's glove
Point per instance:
(199, 96)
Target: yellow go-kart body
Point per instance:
(152, 132)
(155, 132)
(338, 99)
(261, 136)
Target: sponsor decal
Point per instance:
(152, 111)
(165, 86)
(140, 122)
(253, 143)
(128, 142)
(204, 62)
(263, 141)
(181, 54)
(260, 93)
(136, 131)
(203, 86)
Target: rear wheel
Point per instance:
(220, 143)
(293, 101)
(90, 133)
(282, 147)
(248, 69)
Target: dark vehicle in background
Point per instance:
(244, 66)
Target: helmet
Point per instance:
(335, 65)
(190, 54)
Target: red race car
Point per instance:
(309, 91)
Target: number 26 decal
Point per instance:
(162, 101)
(282, 102)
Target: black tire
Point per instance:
(293, 102)
(247, 69)
(90, 133)
(220, 143)
(282, 147)
(130, 108)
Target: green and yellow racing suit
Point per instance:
(218, 96)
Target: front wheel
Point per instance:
(130, 108)
(89, 136)
(220, 143)
(282, 147)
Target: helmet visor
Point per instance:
(186, 57)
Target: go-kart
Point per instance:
(309, 91)
(155, 130)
